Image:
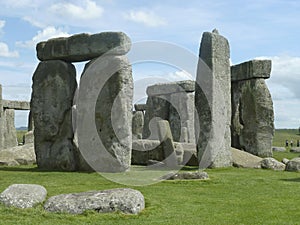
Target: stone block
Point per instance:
(169, 88)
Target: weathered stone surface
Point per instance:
(112, 89)
(82, 47)
(252, 126)
(213, 102)
(137, 124)
(244, 159)
(170, 88)
(18, 155)
(18, 105)
(295, 149)
(23, 195)
(278, 149)
(166, 138)
(251, 69)
(140, 107)
(8, 134)
(200, 175)
(29, 137)
(285, 161)
(54, 84)
(293, 165)
(271, 163)
(126, 200)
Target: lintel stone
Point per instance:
(169, 88)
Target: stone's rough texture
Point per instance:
(293, 165)
(8, 134)
(278, 149)
(29, 137)
(251, 69)
(170, 88)
(140, 107)
(252, 126)
(23, 195)
(137, 124)
(186, 176)
(19, 155)
(213, 102)
(271, 163)
(126, 200)
(18, 105)
(82, 47)
(112, 76)
(295, 149)
(54, 84)
(166, 138)
(244, 159)
(285, 161)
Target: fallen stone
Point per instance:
(285, 161)
(271, 163)
(169, 88)
(295, 149)
(251, 69)
(186, 176)
(278, 149)
(83, 47)
(244, 159)
(293, 165)
(19, 155)
(126, 200)
(23, 195)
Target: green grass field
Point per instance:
(230, 196)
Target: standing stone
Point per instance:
(54, 84)
(108, 81)
(137, 124)
(252, 126)
(213, 102)
(8, 133)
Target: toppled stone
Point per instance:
(278, 149)
(293, 165)
(271, 163)
(295, 149)
(169, 88)
(213, 102)
(82, 47)
(19, 155)
(285, 161)
(126, 200)
(200, 175)
(23, 195)
(251, 69)
(244, 159)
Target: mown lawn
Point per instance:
(231, 196)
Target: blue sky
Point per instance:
(255, 29)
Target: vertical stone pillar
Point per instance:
(213, 102)
(54, 84)
(137, 124)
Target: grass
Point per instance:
(231, 196)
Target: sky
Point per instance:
(264, 29)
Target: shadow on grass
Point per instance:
(292, 179)
(35, 169)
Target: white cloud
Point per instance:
(44, 35)
(180, 75)
(145, 17)
(88, 10)
(5, 52)
(2, 24)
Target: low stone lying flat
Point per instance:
(271, 163)
(244, 159)
(251, 69)
(126, 200)
(295, 149)
(23, 195)
(169, 88)
(293, 165)
(278, 149)
(82, 47)
(19, 155)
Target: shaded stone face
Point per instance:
(137, 124)
(213, 102)
(54, 84)
(8, 134)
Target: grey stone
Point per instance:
(29, 137)
(166, 138)
(244, 159)
(18, 105)
(113, 92)
(137, 124)
(140, 107)
(293, 165)
(126, 200)
(295, 149)
(271, 163)
(251, 69)
(278, 149)
(23, 195)
(8, 134)
(213, 102)
(252, 126)
(54, 84)
(200, 175)
(18, 155)
(170, 88)
(285, 161)
(82, 47)
(189, 154)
